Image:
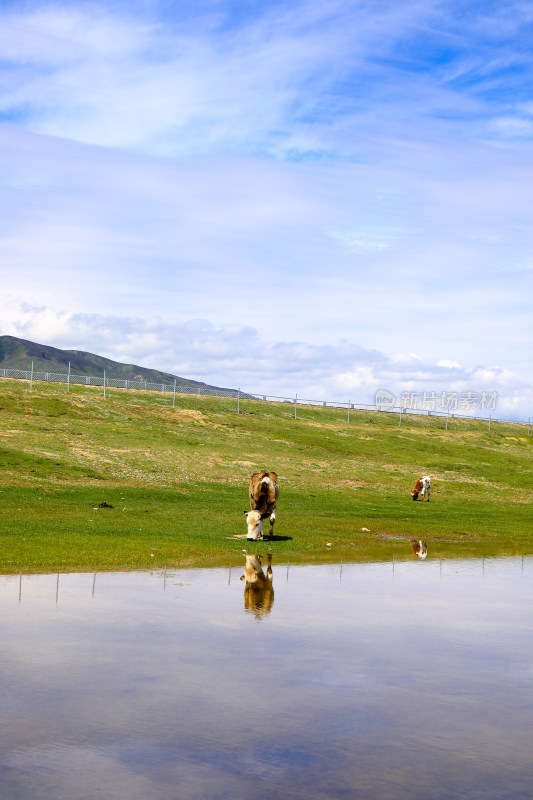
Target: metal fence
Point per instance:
(117, 383)
(293, 406)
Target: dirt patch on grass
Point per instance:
(459, 477)
(90, 455)
(351, 484)
(186, 414)
(330, 426)
(503, 498)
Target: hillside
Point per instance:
(18, 353)
(177, 481)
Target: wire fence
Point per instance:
(197, 396)
(117, 383)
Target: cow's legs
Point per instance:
(272, 521)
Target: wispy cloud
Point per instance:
(286, 81)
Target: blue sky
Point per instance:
(322, 198)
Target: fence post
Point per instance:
(400, 422)
(528, 423)
(68, 378)
(31, 377)
(104, 383)
(295, 402)
(447, 415)
(239, 400)
(490, 418)
(349, 404)
(174, 395)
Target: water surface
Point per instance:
(411, 679)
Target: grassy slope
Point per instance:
(177, 480)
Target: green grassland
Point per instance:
(177, 481)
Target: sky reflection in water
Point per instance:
(405, 680)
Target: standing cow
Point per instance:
(422, 486)
(264, 491)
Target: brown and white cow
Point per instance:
(422, 486)
(258, 592)
(419, 548)
(264, 491)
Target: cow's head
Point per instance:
(255, 525)
(414, 494)
(252, 569)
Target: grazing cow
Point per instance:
(422, 486)
(264, 491)
(258, 592)
(419, 548)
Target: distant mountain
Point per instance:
(20, 353)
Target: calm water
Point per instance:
(405, 680)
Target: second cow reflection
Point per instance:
(419, 548)
(258, 592)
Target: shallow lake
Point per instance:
(410, 679)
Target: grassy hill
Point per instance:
(20, 354)
(177, 481)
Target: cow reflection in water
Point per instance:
(258, 592)
(419, 547)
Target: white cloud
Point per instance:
(238, 356)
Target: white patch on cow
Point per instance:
(255, 525)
